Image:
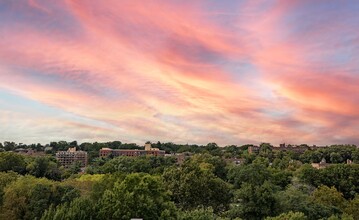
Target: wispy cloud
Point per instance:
(172, 71)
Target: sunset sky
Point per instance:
(230, 72)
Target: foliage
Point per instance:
(84, 184)
(286, 163)
(198, 214)
(342, 176)
(9, 146)
(281, 178)
(353, 208)
(257, 173)
(189, 183)
(289, 216)
(218, 165)
(265, 150)
(143, 164)
(254, 174)
(297, 198)
(274, 183)
(254, 201)
(330, 197)
(80, 209)
(107, 182)
(12, 161)
(6, 179)
(137, 196)
(341, 217)
(28, 197)
(44, 167)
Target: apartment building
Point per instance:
(71, 156)
(105, 152)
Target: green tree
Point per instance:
(213, 149)
(107, 182)
(232, 151)
(143, 164)
(329, 197)
(309, 175)
(9, 146)
(289, 216)
(79, 209)
(341, 217)
(254, 202)
(280, 178)
(286, 163)
(38, 167)
(28, 197)
(342, 176)
(218, 164)
(254, 174)
(198, 214)
(44, 167)
(138, 196)
(75, 168)
(5, 179)
(12, 161)
(311, 156)
(355, 156)
(353, 208)
(336, 158)
(127, 165)
(281, 163)
(265, 150)
(193, 186)
(297, 198)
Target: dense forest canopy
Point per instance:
(213, 182)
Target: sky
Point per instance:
(230, 72)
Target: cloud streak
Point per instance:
(171, 71)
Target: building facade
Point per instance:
(105, 152)
(71, 156)
(253, 149)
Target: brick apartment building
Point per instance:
(105, 152)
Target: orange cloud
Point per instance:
(166, 71)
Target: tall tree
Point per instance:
(353, 208)
(80, 209)
(335, 157)
(289, 216)
(12, 161)
(329, 197)
(28, 197)
(254, 174)
(297, 198)
(255, 202)
(138, 196)
(193, 185)
(44, 167)
(5, 179)
(9, 146)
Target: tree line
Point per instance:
(268, 184)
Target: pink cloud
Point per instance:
(161, 70)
